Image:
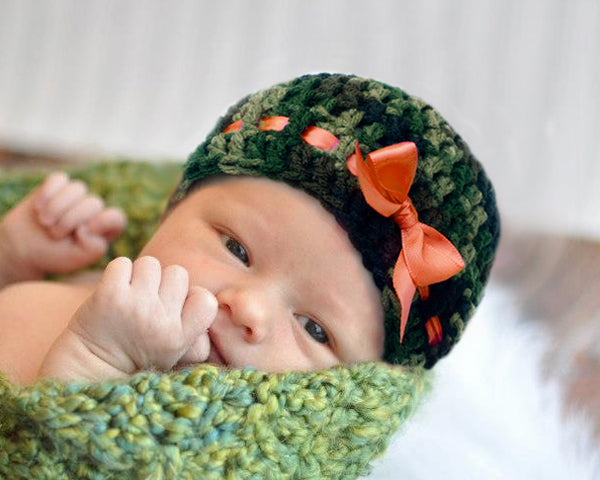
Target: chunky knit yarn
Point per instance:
(197, 423)
(451, 192)
(206, 423)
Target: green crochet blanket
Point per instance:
(203, 422)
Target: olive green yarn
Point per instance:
(200, 423)
(451, 192)
(206, 423)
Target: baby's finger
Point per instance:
(49, 187)
(198, 352)
(146, 275)
(198, 314)
(92, 246)
(77, 215)
(173, 288)
(117, 273)
(109, 223)
(62, 200)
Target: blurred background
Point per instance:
(519, 79)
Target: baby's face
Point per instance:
(293, 293)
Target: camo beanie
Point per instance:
(313, 134)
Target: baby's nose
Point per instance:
(252, 310)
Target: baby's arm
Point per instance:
(58, 228)
(141, 316)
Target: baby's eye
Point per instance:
(237, 249)
(314, 329)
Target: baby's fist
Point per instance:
(143, 316)
(59, 227)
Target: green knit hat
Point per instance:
(268, 134)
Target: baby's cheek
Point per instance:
(207, 273)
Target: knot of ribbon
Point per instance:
(427, 257)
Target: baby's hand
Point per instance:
(58, 228)
(139, 317)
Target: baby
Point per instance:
(283, 248)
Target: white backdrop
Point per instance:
(518, 79)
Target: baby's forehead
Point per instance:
(259, 192)
(274, 210)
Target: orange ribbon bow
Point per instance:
(427, 257)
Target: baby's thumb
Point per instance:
(198, 314)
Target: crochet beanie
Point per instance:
(313, 134)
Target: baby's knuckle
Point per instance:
(117, 260)
(116, 268)
(142, 310)
(131, 304)
(158, 337)
(121, 260)
(112, 298)
(177, 271)
(59, 175)
(171, 346)
(78, 185)
(94, 201)
(53, 179)
(148, 261)
(63, 223)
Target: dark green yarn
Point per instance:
(450, 193)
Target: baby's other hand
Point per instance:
(143, 316)
(59, 228)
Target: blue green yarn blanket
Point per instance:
(203, 422)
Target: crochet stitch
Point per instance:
(206, 423)
(201, 422)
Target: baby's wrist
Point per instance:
(12, 268)
(70, 359)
